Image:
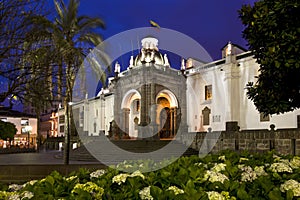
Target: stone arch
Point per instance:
(170, 96)
(130, 96)
(129, 112)
(166, 113)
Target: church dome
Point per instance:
(149, 53)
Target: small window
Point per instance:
(264, 117)
(298, 121)
(206, 113)
(61, 119)
(95, 127)
(62, 129)
(208, 92)
(24, 122)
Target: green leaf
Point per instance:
(275, 194)
(242, 194)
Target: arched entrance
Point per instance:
(130, 107)
(166, 114)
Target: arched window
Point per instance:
(206, 113)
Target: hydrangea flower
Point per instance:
(295, 162)
(213, 176)
(15, 187)
(219, 167)
(89, 187)
(176, 190)
(213, 195)
(137, 173)
(291, 185)
(120, 178)
(145, 194)
(27, 195)
(222, 158)
(248, 174)
(259, 170)
(97, 174)
(281, 167)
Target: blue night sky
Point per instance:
(211, 23)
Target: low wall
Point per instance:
(283, 141)
(22, 173)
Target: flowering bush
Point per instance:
(227, 175)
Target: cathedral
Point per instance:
(150, 99)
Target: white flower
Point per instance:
(213, 176)
(176, 190)
(259, 170)
(137, 173)
(213, 195)
(91, 188)
(119, 179)
(26, 195)
(145, 194)
(15, 187)
(14, 196)
(295, 162)
(281, 167)
(219, 167)
(248, 174)
(97, 174)
(222, 158)
(291, 185)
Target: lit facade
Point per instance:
(26, 128)
(151, 96)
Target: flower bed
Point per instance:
(227, 175)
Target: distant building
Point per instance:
(152, 94)
(48, 120)
(26, 125)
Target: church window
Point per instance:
(95, 127)
(208, 92)
(264, 117)
(206, 113)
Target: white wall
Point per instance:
(229, 100)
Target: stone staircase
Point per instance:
(137, 147)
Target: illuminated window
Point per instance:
(264, 118)
(61, 119)
(208, 92)
(24, 122)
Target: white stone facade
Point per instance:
(215, 94)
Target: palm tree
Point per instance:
(71, 37)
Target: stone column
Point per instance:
(125, 120)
